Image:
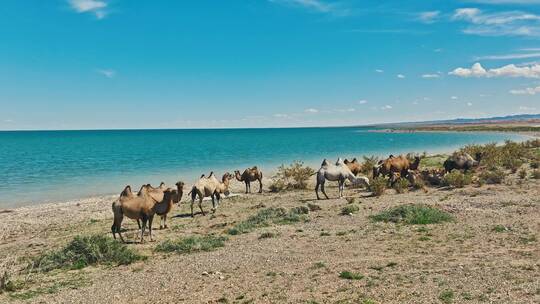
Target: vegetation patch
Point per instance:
(401, 185)
(434, 161)
(192, 244)
(377, 186)
(456, 179)
(413, 215)
(268, 216)
(492, 176)
(368, 165)
(348, 275)
(447, 296)
(535, 174)
(294, 176)
(349, 210)
(267, 235)
(313, 207)
(83, 251)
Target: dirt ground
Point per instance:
(464, 261)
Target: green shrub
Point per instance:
(377, 186)
(294, 176)
(349, 209)
(535, 174)
(492, 176)
(265, 217)
(447, 296)
(192, 244)
(350, 275)
(267, 235)
(401, 185)
(456, 179)
(413, 215)
(368, 165)
(83, 251)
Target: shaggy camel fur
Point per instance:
(210, 186)
(157, 195)
(461, 161)
(137, 207)
(392, 164)
(354, 166)
(336, 172)
(250, 175)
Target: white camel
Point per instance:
(336, 172)
(210, 186)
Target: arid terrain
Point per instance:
(488, 253)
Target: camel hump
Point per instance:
(325, 163)
(126, 191)
(354, 160)
(254, 168)
(339, 161)
(162, 184)
(202, 175)
(211, 174)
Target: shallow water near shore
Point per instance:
(47, 166)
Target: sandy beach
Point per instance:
(469, 258)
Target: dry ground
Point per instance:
(465, 261)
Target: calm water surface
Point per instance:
(44, 166)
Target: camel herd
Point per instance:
(149, 201)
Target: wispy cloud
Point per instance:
(429, 17)
(509, 56)
(526, 91)
(280, 115)
(107, 72)
(506, 1)
(363, 101)
(316, 6)
(386, 107)
(430, 76)
(311, 110)
(511, 70)
(379, 71)
(96, 7)
(400, 76)
(506, 23)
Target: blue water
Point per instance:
(44, 166)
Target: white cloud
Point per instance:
(431, 76)
(311, 110)
(8, 120)
(363, 101)
(379, 71)
(509, 56)
(280, 115)
(107, 73)
(429, 17)
(96, 7)
(469, 104)
(386, 107)
(454, 97)
(400, 76)
(316, 6)
(511, 70)
(525, 108)
(526, 91)
(504, 23)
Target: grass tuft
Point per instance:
(413, 215)
(265, 217)
(192, 244)
(83, 251)
(349, 209)
(350, 275)
(377, 186)
(457, 179)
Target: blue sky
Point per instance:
(93, 64)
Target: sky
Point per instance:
(107, 64)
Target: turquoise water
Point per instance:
(45, 166)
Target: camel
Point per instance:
(461, 161)
(354, 166)
(336, 172)
(210, 186)
(175, 199)
(392, 164)
(250, 175)
(140, 207)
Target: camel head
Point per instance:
(362, 180)
(225, 181)
(416, 163)
(238, 175)
(180, 185)
(478, 157)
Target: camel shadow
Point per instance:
(187, 215)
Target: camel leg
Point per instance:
(165, 221)
(317, 190)
(139, 224)
(213, 196)
(260, 185)
(218, 200)
(192, 202)
(322, 190)
(150, 219)
(116, 227)
(144, 219)
(247, 185)
(200, 205)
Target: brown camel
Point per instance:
(176, 198)
(210, 186)
(140, 207)
(354, 166)
(400, 164)
(250, 175)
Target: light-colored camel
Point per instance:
(354, 165)
(461, 161)
(140, 207)
(210, 187)
(336, 172)
(250, 175)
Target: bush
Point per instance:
(493, 176)
(456, 179)
(267, 235)
(413, 215)
(377, 186)
(401, 185)
(265, 217)
(349, 209)
(192, 244)
(368, 165)
(350, 275)
(535, 174)
(522, 173)
(83, 251)
(294, 176)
